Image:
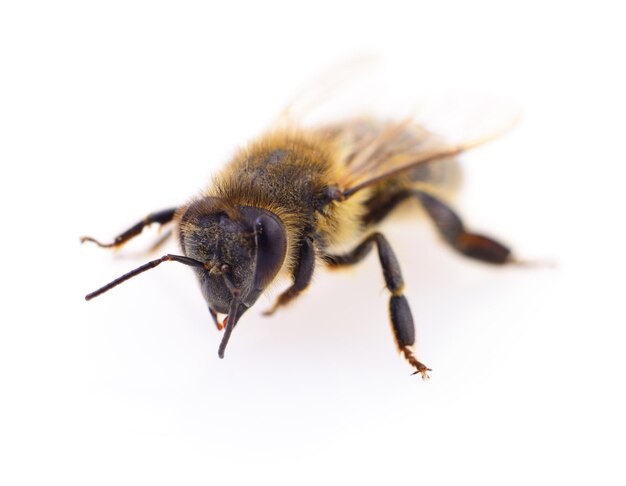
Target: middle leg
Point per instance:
(399, 310)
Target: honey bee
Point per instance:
(295, 199)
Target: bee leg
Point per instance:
(161, 241)
(160, 217)
(301, 275)
(453, 231)
(382, 205)
(399, 310)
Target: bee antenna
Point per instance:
(144, 268)
(233, 311)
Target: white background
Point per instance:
(111, 110)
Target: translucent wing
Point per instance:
(329, 89)
(373, 151)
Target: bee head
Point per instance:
(236, 251)
(242, 248)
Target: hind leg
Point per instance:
(448, 224)
(453, 231)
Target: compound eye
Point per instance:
(271, 243)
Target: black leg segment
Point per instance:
(160, 217)
(453, 231)
(302, 274)
(399, 310)
(379, 207)
(447, 222)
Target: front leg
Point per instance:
(301, 275)
(399, 310)
(160, 217)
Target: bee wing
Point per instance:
(330, 85)
(373, 151)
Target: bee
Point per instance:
(298, 199)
